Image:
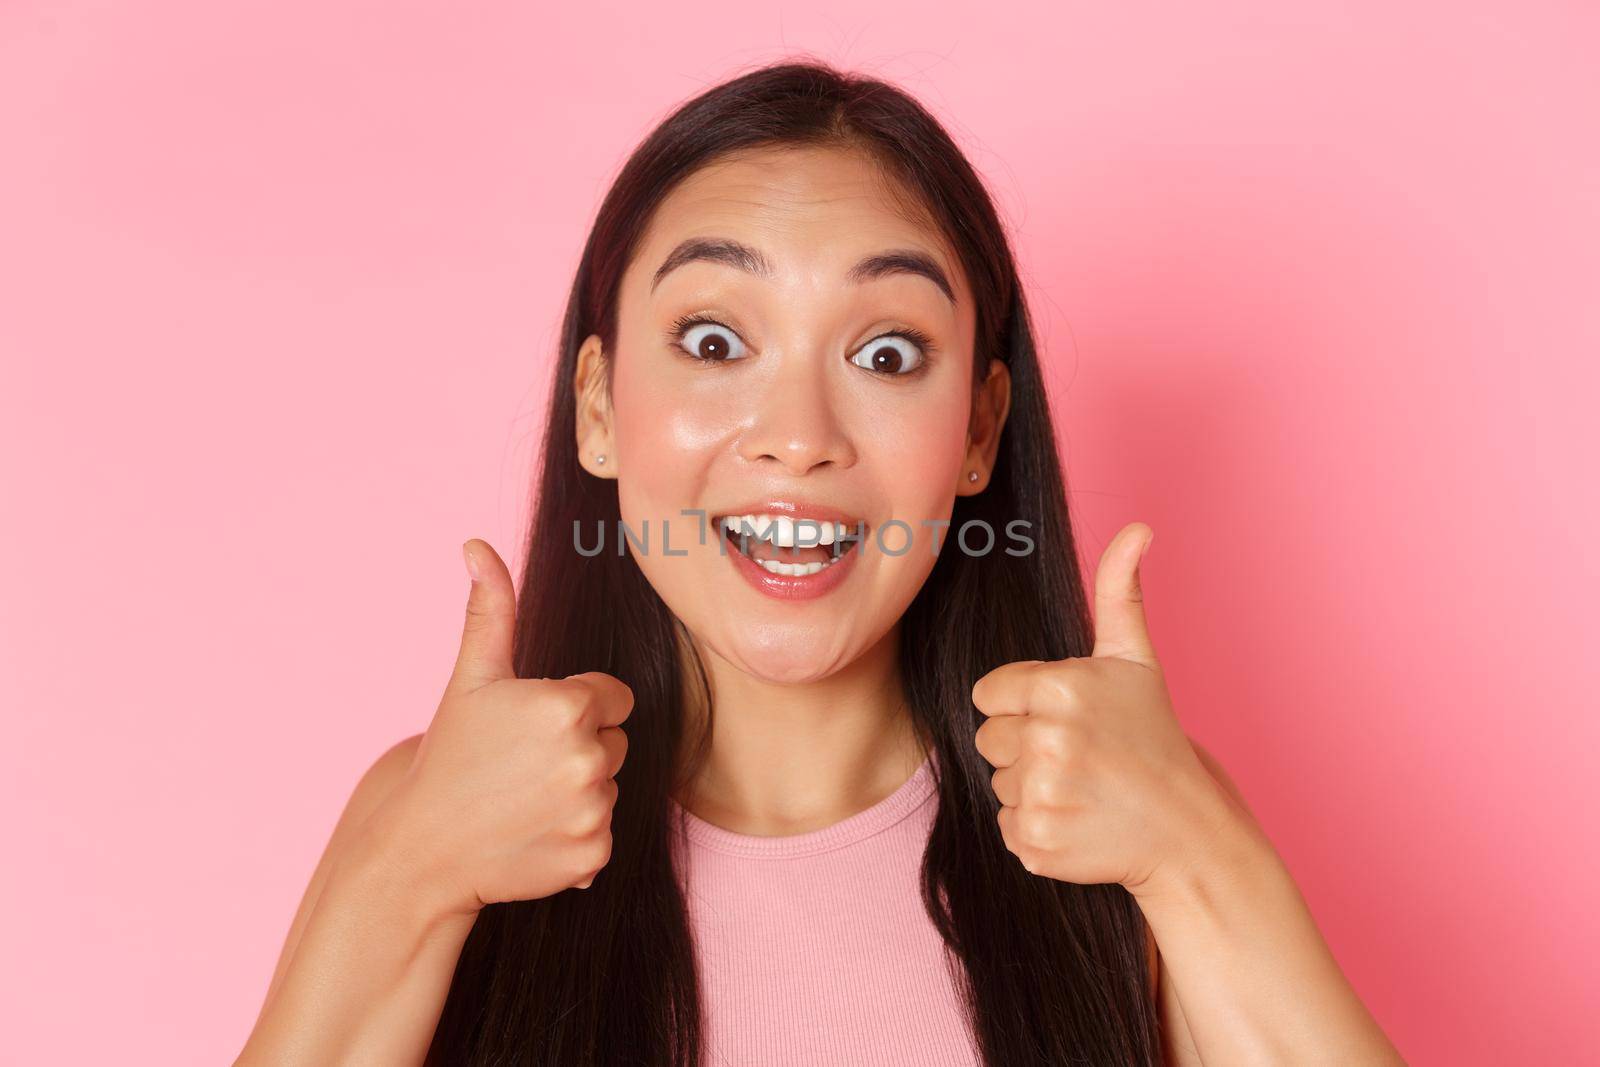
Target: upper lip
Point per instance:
(794, 509)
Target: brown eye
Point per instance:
(712, 342)
(885, 357)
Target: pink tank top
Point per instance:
(814, 948)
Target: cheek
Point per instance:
(659, 429)
(658, 401)
(915, 451)
(921, 446)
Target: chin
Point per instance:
(783, 657)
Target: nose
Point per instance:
(796, 422)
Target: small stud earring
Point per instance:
(600, 457)
(972, 476)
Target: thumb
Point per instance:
(1119, 625)
(486, 636)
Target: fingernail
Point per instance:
(586, 885)
(472, 563)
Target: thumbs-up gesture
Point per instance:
(510, 793)
(1097, 779)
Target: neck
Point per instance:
(788, 759)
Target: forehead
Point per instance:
(811, 211)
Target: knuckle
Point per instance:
(589, 766)
(619, 741)
(1032, 827)
(574, 714)
(595, 854)
(1052, 738)
(565, 705)
(1045, 790)
(593, 814)
(589, 819)
(1058, 687)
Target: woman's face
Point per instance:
(814, 393)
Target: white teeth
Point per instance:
(786, 532)
(794, 570)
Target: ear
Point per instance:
(593, 398)
(991, 403)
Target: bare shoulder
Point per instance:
(370, 790)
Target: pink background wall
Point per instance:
(280, 286)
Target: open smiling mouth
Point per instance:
(793, 548)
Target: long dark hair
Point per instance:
(1051, 972)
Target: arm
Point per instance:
(1258, 983)
(1177, 1044)
(369, 957)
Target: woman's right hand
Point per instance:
(511, 790)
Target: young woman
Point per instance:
(893, 798)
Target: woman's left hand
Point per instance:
(1098, 780)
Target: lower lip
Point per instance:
(792, 586)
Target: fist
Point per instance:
(510, 794)
(1097, 780)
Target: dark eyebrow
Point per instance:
(743, 257)
(713, 250)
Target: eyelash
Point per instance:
(923, 342)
